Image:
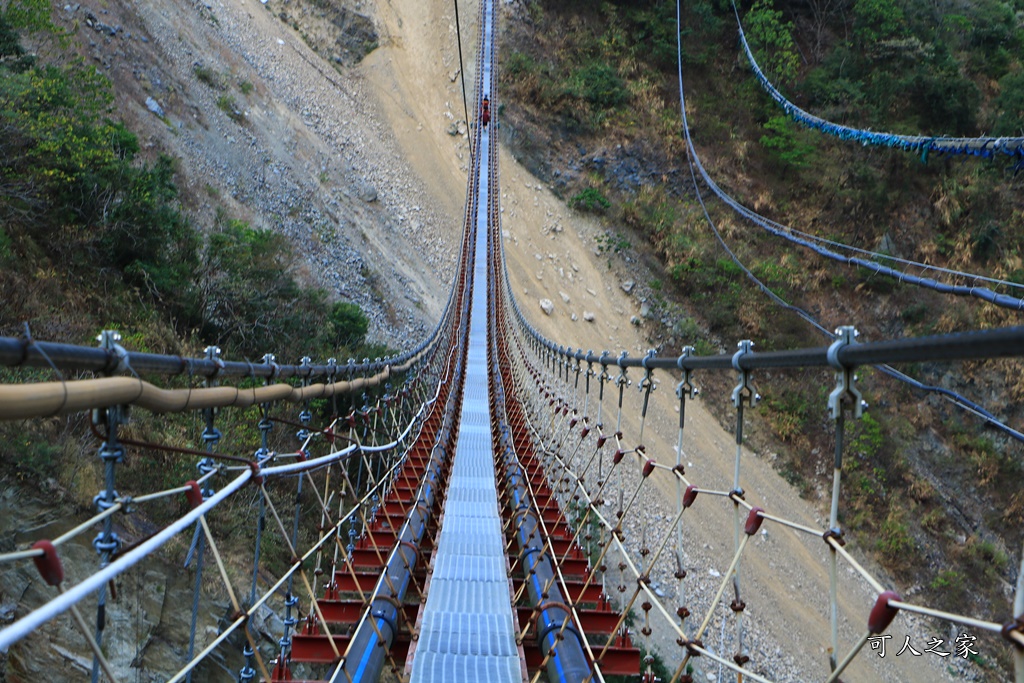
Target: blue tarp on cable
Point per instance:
(986, 147)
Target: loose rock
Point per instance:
(154, 107)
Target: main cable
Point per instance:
(986, 147)
(462, 69)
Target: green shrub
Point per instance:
(894, 540)
(788, 413)
(650, 213)
(227, 104)
(876, 20)
(519, 64)
(786, 142)
(590, 200)
(348, 325)
(772, 40)
(12, 54)
(210, 77)
(599, 84)
(34, 460)
(1010, 104)
(868, 437)
(251, 304)
(612, 242)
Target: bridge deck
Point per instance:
(467, 632)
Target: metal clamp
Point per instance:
(686, 386)
(603, 360)
(647, 384)
(621, 379)
(213, 354)
(745, 389)
(846, 388)
(108, 340)
(271, 360)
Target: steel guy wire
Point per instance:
(802, 239)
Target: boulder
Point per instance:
(154, 107)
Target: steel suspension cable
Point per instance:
(986, 146)
(814, 244)
(462, 70)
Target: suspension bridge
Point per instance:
(461, 511)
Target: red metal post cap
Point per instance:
(882, 614)
(754, 520)
(689, 496)
(193, 494)
(48, 563)
(648, 468)
(257, 477)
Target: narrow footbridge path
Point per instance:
(468, 510)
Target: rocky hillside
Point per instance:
(262, 130)
(265, 183)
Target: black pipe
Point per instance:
(568, 661)
(973, 345)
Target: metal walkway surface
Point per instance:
(467, 632)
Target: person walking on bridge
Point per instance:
(485, 112)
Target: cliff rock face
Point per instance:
(357, 36)
(147, 624)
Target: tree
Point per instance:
(773, 38)
(348, 325)
(785, 143)
(877, 20)
(1011, 106)
(822, 13)
(29, 15)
